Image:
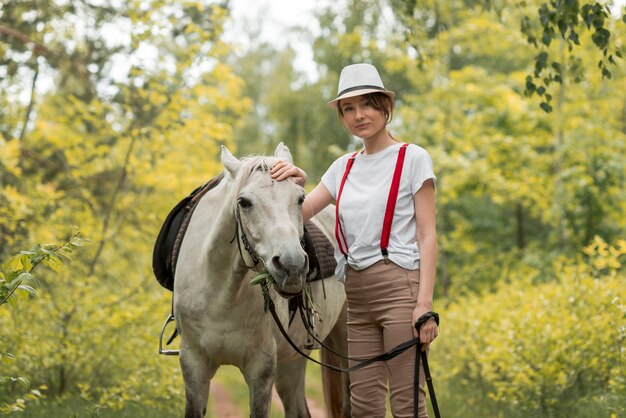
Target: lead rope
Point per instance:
(269, 303)
(399, 349)
(418, 354)
(429, 380)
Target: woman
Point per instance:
(388, 287)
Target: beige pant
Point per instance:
(381, 299)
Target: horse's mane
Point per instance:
(250, 165)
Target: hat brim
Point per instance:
(334, 103)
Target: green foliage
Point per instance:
(542, 350)
(126, 127)
(109, 134)
(16, 274)
(540, 23)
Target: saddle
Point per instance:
(167, 246)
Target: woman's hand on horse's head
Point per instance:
(284, 169)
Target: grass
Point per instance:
(76, 407)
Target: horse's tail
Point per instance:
(336, 385)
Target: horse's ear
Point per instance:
(282, 152)
(230, 162)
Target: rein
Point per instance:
(269, 304)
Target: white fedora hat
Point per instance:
(359, 79)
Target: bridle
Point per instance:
(243, 238)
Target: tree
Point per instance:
(110, 149)
(560, 20)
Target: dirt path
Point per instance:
(315, 410)
(224, 407)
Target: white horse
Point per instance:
(220, 315)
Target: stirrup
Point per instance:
(165, 351)
(311, 343)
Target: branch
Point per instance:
(31, 103)
(39, 48)
(109, 210)
(120, 184)
(10, 293)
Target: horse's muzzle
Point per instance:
(289, 271)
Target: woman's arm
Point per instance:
(424, 201)
(314, 201)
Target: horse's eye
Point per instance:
(300, 200)
(244, 203)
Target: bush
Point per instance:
(541, 349)
(16, 279)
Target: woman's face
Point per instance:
(361, 118)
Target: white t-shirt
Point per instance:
(364, 200)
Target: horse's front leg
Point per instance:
(197, 373)
(290, 385)
(259, 371)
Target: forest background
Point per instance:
(111, 112)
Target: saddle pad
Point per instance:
(321, 253)
(172, 232)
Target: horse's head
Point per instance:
(270, 217)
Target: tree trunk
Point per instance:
(521, 230)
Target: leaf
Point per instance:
(15, 283)
(24, 382)
(28, 289)
(6, 357)
(260, 278)
(264, 278)
(17, 263)
(54, 263)
(26, 278)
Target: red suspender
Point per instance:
(338, 231)
(391, 205)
